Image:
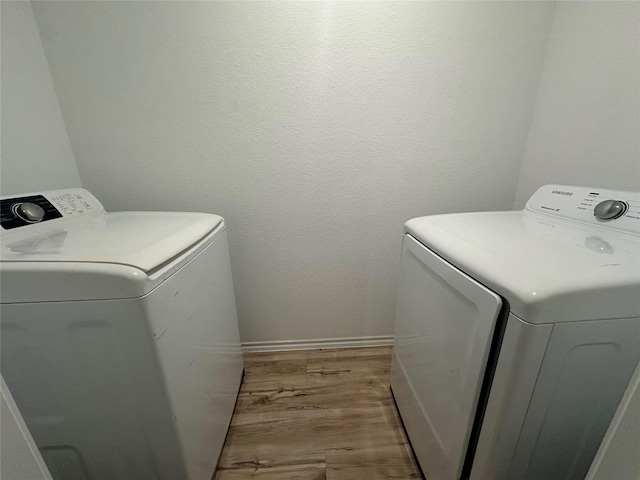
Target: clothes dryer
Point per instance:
(516, 334)
(120, 339)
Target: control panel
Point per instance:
(615, 209)
(35, 208)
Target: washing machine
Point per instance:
(516, 334)
(119, 336)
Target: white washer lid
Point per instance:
(144, 240)
(549, 270)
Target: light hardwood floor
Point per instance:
(314, 415)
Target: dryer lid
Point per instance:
(144, 240)
(548, 269)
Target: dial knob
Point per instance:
(29, 212)
(609, 209)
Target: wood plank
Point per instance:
(317, 414)
(395, 472)
(297, 472)
(389, 461)
(318, 353)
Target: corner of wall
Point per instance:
(518, 201)
(36, 152)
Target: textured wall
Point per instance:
(35, 153)
(586, 124)
(315, 128)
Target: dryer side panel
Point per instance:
(519, 362)
(586, 369)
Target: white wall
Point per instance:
(35, 153)
(315, 128)
(586, 124)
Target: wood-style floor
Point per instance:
(317, 415)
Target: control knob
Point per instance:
(27, 211)
(609, 209)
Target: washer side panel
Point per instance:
(195, 327)
(86, 378)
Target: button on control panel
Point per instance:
(17, 212)
(35, 208)
(619, 210)
(71, 203)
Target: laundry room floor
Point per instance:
(317, 415)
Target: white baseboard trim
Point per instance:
(352, 342)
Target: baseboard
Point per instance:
(352, 342)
